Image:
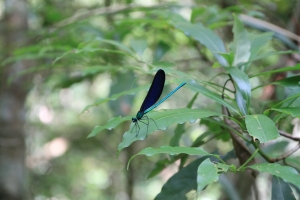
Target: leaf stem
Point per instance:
(249, 159)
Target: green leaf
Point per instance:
(139, 45)
(288, 174)
(172, 16)
(292, 81)
(241, 43)
(207, 173)
(115, 96)
(181, 183)
(284, 69)
(222, 167)
(180, 127)
(281, 190)
(294, 161)
(243, 86)
(160, 50)
(241, 102)
(36, 52)
(294, 111)
(270, 53)
(288, 101)
(216, 97)
(163, 119)
(111, 124)
(229, 57)
(117, 44)
(176, 72)
(205, 36)
(258, 41)
(196, 151)
(261, 127)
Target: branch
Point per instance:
(287, 154)
(284, 134)
(268, 26)
(283, 156)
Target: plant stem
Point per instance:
(249, 159)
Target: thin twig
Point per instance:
(287, 154)
(284, 134)
(283, 156)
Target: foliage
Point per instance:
(192, 51)
(253, 127)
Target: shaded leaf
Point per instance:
(216, 97)
(139, 45)
(205, 36)
(117, 44)
(294, 161)
(261, 127)
(281, 190)
(284, 69)
(294, 111)
(160, 50)
(160, 165)
(115, 96)
(181, 183)
(288, 174)
(292, 81)
(288, 101)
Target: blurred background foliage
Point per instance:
(74, 63)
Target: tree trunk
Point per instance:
(12, 99)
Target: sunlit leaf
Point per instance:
(258, 41)
(163, 119)
(261, 127)
(222, 167)
(172, 151)
(243, 86)
(207, 173)
(111, 124)
(241, 43)
(180, 127)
